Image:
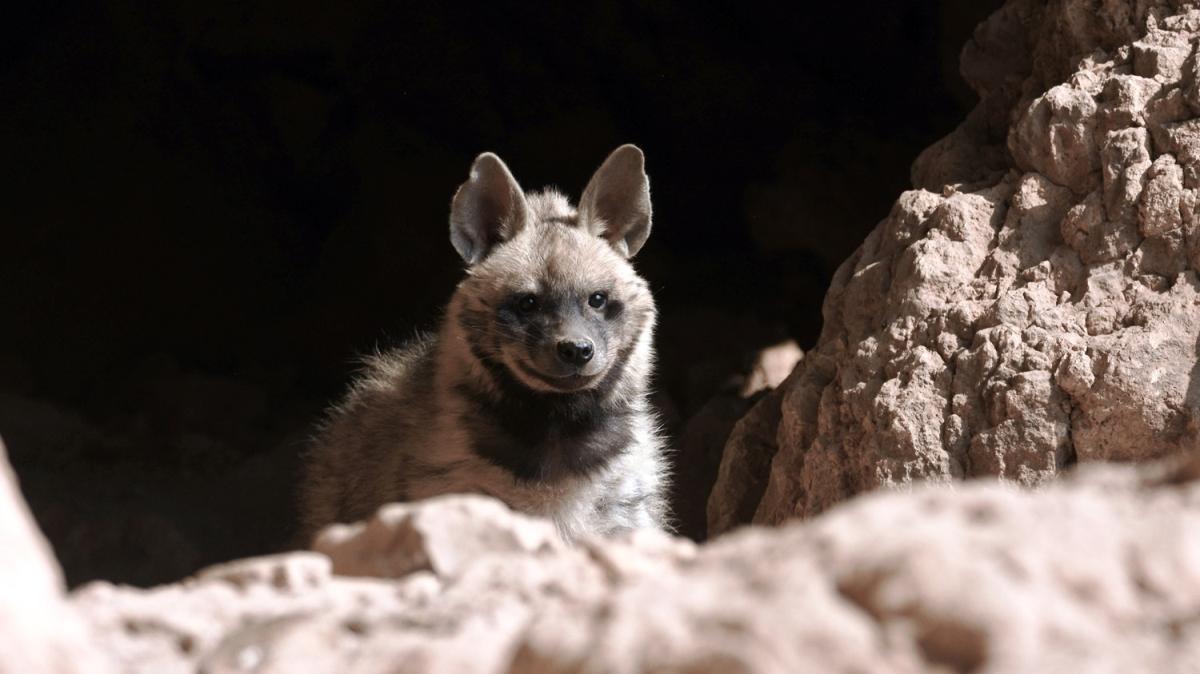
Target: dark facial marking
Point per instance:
(525, 322)
(544, 437)
(474, 321)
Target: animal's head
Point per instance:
(550, 294)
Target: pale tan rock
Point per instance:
(38, 632)
(1054, 137)
(1011, 326)
(771, 366)
(1161, 54)
(402, 538)
(1098, 573)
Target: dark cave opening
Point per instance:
(213, 209)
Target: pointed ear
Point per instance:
(616, 203)
(487, 209)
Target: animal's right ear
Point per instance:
(487, 209)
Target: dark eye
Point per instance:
(527, 303)
(598, 300)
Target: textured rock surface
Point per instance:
(1096, 574)
(1034, 304)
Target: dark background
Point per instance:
(209, 210)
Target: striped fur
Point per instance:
(485, 406)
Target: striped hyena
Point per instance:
(534, 389)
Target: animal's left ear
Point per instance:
(616, 203)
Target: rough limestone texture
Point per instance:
(1034, 303)
(1097, 574)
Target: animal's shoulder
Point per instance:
(395, 369)
(388, 378)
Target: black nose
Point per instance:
(575, 351)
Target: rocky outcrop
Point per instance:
(1034, 303)
(1101, 573)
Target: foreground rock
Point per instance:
(1101, 573)
(1035, 304)
(39, 633)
